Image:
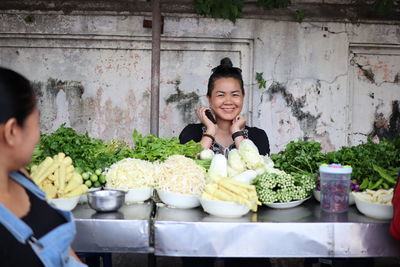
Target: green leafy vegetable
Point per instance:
(152, 148)
(87, 153)
(299, 157)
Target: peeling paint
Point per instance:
(186, 103)
(367, 73)
(387, 128)
(48, 93)
(307, 121)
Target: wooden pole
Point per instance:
(155, 67)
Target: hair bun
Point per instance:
(226, 62)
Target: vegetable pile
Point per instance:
(153, 148)
(130, 174)
(380, 196)
(226, 189)
(56, 176)
(180, 174)
(375, 165)
(278, 186)
(87, 153)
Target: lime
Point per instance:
(98, 171)
(102, 179)
(88, 183)
(85, 175)
(94, 178)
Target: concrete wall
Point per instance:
(334, 82)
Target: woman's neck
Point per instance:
(4, 180)
(224, 126)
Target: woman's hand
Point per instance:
(211, 127)
(238, 124)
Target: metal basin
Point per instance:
(106, 200)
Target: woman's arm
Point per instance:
(237, 126)
(72, 253)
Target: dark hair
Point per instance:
(17, 98)
(224, 70)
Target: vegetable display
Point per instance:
(242, 164)
(225, 189)
(365, 158)
(299, 157)
(87, 153)
(375, 165)
(180, 174)
(56, 176)
(278, 186)
(153, 148)
(380, 196)
(130, 174)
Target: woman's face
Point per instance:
(29, 137)
(226, 99)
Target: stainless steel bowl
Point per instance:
(106, 200)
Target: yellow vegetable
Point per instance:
(60, 157)
(70, 169)
(61, 178)
(73, 183)
(41, 169)
(225, 189)
(50, 190)
(56, 174)
(77, 192)
(33, 169)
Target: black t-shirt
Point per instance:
(195, 132)
(42, 219)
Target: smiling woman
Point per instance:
(225, 96)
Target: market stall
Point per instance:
(302, 231)
(124, 231)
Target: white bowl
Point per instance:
(138, 195)
(177, 200)
(286, 205)
(374, 210)
(226, 209)
(64, 203)
(317, 196)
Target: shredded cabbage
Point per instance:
(130, 173)
(180, 174)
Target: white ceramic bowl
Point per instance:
(317, 196)
(226, 209)
(138, 195)
(64, 203)
(177, 200)
(286, 205)
(374, 210)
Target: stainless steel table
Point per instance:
(303, 231)
(125, 231)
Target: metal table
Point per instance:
(303, 231)
(124, 231)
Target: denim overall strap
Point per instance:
(13, 224)
(19, 178)
(20, 230)
(52, 248)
